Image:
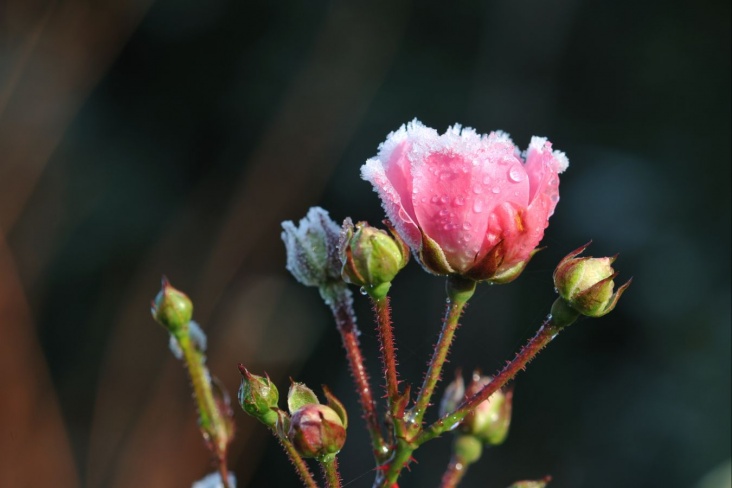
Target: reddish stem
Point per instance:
(544, 336)
(454, 472)
(346, 324)
(388, 351)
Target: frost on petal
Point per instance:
(373, 172)
(214, 480)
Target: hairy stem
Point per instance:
(388, 351)
(345, 319)
(544, 336)
(298, 462)
(330, 471)
(210, 419)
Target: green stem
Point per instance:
(298, 462)
(342, 308)
(459, 292)
(544, 336)
(330, 471)
(210, 420)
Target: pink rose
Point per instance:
(466, 203)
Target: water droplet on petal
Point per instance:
(477, 189)
(496, 190)
(467, 225)
(477, 206)
(444, 212)
(444, 198)
(475, 162)
(487, 179)
(459, 201)
(555, 198)
(515, 174)
(435, 199)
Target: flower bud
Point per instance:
(317, 431)
(300, 395)
(371, 257)
(467, 448)
(586, 284)
(490, 420)
(312, 248)
(454, 394)
(258, 397)
(172, 308)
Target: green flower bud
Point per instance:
(312, 248)
(317, 431)
(172, 308)
(371, 257)
(491, 419)
(586, 284)
(300, 395)
(258, 397)
(468, 448)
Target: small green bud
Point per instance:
(491, 419)
(371, 257)
(468, 448)
(312, 248)
(172, 308)
(300, 395)
(258, 396)
(317, 431)
(586, 284)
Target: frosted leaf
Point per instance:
(312, 248)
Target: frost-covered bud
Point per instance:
(586, 284)
(312, 248)
(371, 257)
(172, 308)
(258, 397)
(317, 431)
(490, 420)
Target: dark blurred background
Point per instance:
(144, 137)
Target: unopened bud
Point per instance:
(312, 248)
(317, 431)
(454, 394)
(258, 396)
(371, 257)
(491, 419)
(300, 395)
(172, 308)
(586, 284)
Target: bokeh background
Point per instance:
(141, 138)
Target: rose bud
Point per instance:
(467, 204)
(371, 257)
(491, 419)
(258, 396)
(586, 284)
(454, 394)
(172, 308)
(317, 431)
(312, 248)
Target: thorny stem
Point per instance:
(454, 472)
(342, 307)
(300, 466)
(388, 351)
(330, 471)
(450, 324)
(212, 424)
(544, 336)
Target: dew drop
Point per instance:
(515, 174)
(555, 198)
(444, 212)
(446, 175)
(444, 198)
(477, 206)
(459, 201)
(487, 179)
(435, 199)
(496, 190)
(363, 291)
(467, 225)
(477, 189)
(475, 162)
